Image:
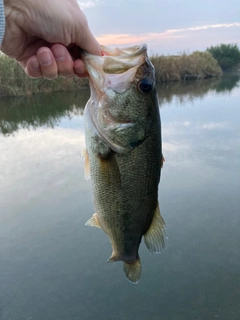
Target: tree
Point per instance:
(227, 55)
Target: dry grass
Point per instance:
(197, 65)
(14, 82)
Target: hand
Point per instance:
(44, 36)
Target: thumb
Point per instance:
(90, 44)
(85, 39)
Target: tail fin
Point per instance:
(133, 270)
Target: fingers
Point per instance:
(80, 69)
(52, 62)
(47, 62)
(63, 59)
(32, 68)
(43, 64)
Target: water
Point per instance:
(54, 267)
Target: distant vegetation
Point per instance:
(48, 109)
(197, 65)
(14, 82)
(227, 55)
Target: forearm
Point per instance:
(2, 21)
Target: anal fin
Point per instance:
(93, 222)
(154, 237)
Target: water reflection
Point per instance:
(53, 267)
(40, 110)
(47, 110)
(189, 90)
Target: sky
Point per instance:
(166, 26)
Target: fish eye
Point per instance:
(145, 85)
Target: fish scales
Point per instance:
(124, 153)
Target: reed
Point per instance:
(197, 65)
(14, 82)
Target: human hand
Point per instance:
(44, 36)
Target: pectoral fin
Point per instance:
(93, 222)
(85, 158)
(154, 237)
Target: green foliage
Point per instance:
(197, 65)
(227, 55)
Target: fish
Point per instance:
(123, 155)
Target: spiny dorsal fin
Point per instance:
(85, 158)
(93, 222)
(154, 237)
(133, 270)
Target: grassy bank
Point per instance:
(47, 110)
(198, 65)
(14, 82)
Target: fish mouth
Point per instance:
(127, 52)
(115, 69)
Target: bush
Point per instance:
(227, 55)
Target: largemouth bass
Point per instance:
(124, 153)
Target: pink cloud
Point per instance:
(159, 39)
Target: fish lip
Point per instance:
(127, 52)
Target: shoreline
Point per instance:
(181, 68)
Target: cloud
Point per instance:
(127, 39)
(175, 146)
(213, 125)
(38, 158)
(131, 39)
(87, 4)
(208, 26)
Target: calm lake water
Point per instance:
(53, 267)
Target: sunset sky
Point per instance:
(168, 27)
